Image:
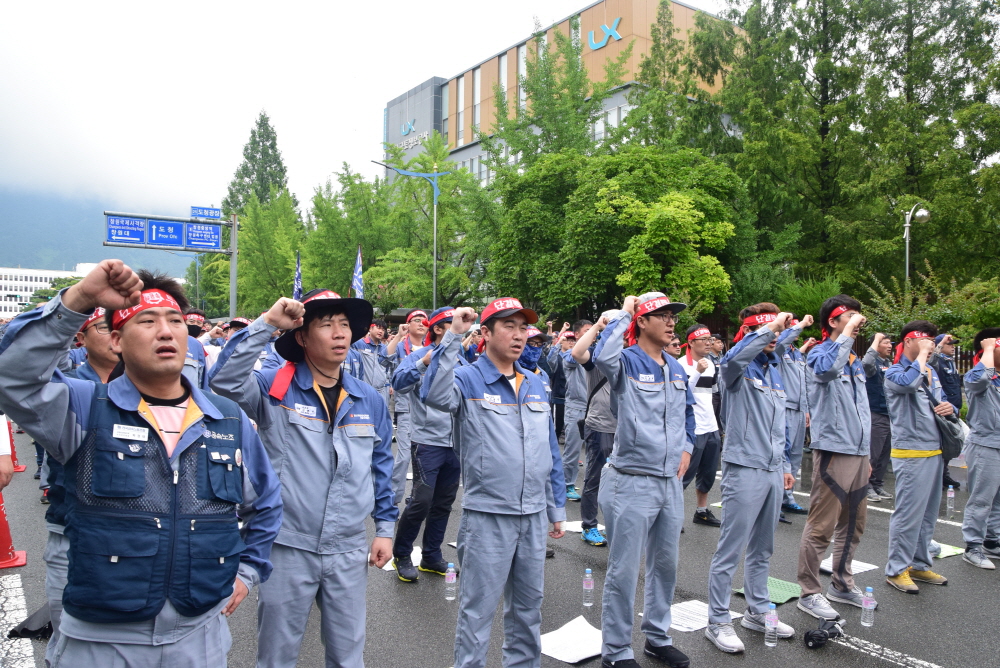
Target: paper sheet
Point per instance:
(949, 551)
(574, 642)
(454, 545)
(577, 527)
(415, 557)
(826, 566)
(692, 616)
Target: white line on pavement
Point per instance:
(16, 653)
(890, 511)
(879, 652)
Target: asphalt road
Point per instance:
(412, 625)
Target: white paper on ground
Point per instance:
(415, 557)
(950, 551)
(692, 616)
(454, 545)
(574, 642)
(577, 527)
(826, 566)
(409, 476)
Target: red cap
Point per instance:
(649, 302)
(505, 306)
(150, 299)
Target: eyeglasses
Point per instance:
(674, 343)
(535, 344)
(101, 328)
(664, 317)
(703, 339)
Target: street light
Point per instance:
(921, 216)
(431, 178)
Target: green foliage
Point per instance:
(262, 172)
(806, 296)
(43, 295)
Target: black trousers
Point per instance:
(436, 472)
(881, 447)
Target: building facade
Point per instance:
(18, 284)
(456, 107)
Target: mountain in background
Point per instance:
(39, 231)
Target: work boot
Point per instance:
(405, 570)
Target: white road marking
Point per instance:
(884, 653)
(891, 511)
(16, 653)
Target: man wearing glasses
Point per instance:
(640, 493)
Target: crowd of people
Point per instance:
(186, 463)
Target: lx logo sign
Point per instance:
(407, 128)
(608, 34)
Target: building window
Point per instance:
(460, 102)
(476, 97)
(599, 129)
(502, 71)
(522, 72)
(444, 113)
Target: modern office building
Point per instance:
(18, 284)
(455, 107)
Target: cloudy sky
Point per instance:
(147, 107)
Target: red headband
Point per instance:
(701, 331)
(414, 314)
(443, 315)
(98, 314)
(195, 316)
(909, 335)
(150, 299)
(835, 313)
(644, 308)
(750, 321)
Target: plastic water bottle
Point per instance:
(588, 588)
(868, 608)
(951, 501)
(450, 579)
(771, 626)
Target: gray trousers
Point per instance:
(572, 445)
(751, 502)
(56, 559)
(336, 582)
(207, 647)
(500, 555)
(795, 426)
(984, 492)
(918, 503)
(881, 447)
(401, 464)
(640, 512)
(599, 447)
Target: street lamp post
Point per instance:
(431, 178)
(921, 216)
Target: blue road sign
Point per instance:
(126, 230)
(203, 212)
(203, 236)
(165, 233)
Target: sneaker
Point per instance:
(783, 519)
(594, 537)
(881, 492)
(993, 551)
(975, 556)
(794, 509)
(38, 473)
(948, 480)
(755, 622)
(706, 517)
(668, 654)
(817, 606)
(45, 496)
(405, 570)
(903, 582)
(550, 553)
(725, 638)
(620, 663)
(930, 577)
(571, 493)
(853, 597)
(438, 567)
(873, 496)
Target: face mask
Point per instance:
(529, 357)
(194, 330)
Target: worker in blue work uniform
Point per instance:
(413, 331)
(576, 406)
(755, 473)
(640, 494)
(196, 362)
(157, 477)
(436, 469)
(943, 362)
(792, 364)
(377, 362)
(512, 472)
(329, 435)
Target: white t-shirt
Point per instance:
(704, 413)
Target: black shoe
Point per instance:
(45, 496)
(707, 518)
(38, 473)
(783, 519)
(405, 570)
(620, 663)
(668, 654)
(794, 509)
(948, 480)
(549, 553)
(438, 567)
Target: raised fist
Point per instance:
(462, 320)
(112, 285)
(285, 314)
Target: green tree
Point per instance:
(269, 235)
(43, 295)
(262, 171)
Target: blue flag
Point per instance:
(297, 287)
(357, 284)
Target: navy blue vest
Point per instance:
(876, 388)
(138, 533)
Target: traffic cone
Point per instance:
(18, 468)
(9, 557)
